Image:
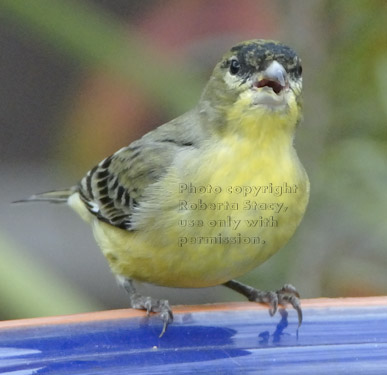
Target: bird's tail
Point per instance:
(54, 196)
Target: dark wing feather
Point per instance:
(113, 188)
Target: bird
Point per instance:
(209, 195)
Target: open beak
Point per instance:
(274, 77)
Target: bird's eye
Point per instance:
(299, 70)
(234, 66)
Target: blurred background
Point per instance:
(80, 79)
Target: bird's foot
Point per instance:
(159, 306)
(286, 295)
(149, 304)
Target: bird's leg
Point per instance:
(286, 295)
(137, 301)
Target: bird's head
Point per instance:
(255, 78)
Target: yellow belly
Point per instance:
(221, 231)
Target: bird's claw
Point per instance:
(286, 295)
(166, 316)
(152, 305)
(272, 299)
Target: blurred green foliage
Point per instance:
(83, 32)
(357, 50)
(353, 172)
(23, 279)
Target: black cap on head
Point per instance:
(256, 55)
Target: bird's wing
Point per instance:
(113, 188)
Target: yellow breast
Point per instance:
(217, 214)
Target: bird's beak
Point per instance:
(275, 77)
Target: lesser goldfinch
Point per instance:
(210, 195)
